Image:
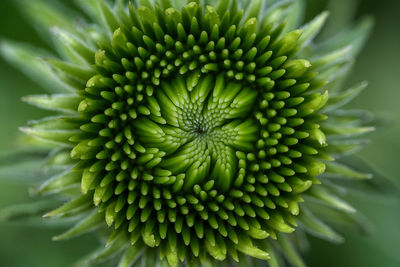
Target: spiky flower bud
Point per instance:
(196, 129)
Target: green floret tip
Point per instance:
(198, 133)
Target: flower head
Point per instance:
(196, 129)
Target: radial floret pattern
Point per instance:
(200, 126)
(195, 129)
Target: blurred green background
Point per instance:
(23, 245)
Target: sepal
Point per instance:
(312, 225)
(27, 59)
(90, 223)
(67, 103)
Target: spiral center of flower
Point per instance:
(199, 128)
(195, 122)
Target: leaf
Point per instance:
(383, 120)
(59, 137)
(20, 155)
(27, 59)
(289, 251)
(332, 131)
(78, 203)
(338, 100)
(146, 3)
(324, 195)
(77, 72)
(120, 243)
(252, 10)
(61, 181)
(58, 102)
(360, 118)
(338, 149)
(314, 226)
(165, 4)
(295, 14)
(342, 15)
(336, 75)
(352, 221)
(338, 170)
(57, 123)
(90, 7)
(25, 173)
(276, 260)
(311, 29)
(131, 255)
(59, 159)
(379, 184)
(332, 58)
(73, 47)
(354, 36)
(90, 223)
(45, 14)
(121, 10)
(276, 13)
(108, 17)
(28, 210)
(349, 118)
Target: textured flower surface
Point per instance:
(195, 129)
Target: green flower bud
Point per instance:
(195, 130)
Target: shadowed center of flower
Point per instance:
(202, 129)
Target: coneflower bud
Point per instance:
(195, 129)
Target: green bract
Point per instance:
(196, 129)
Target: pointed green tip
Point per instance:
(25, 130)
(8, 49)
(5, 45)
(57, 238)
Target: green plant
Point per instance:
(195, 130)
